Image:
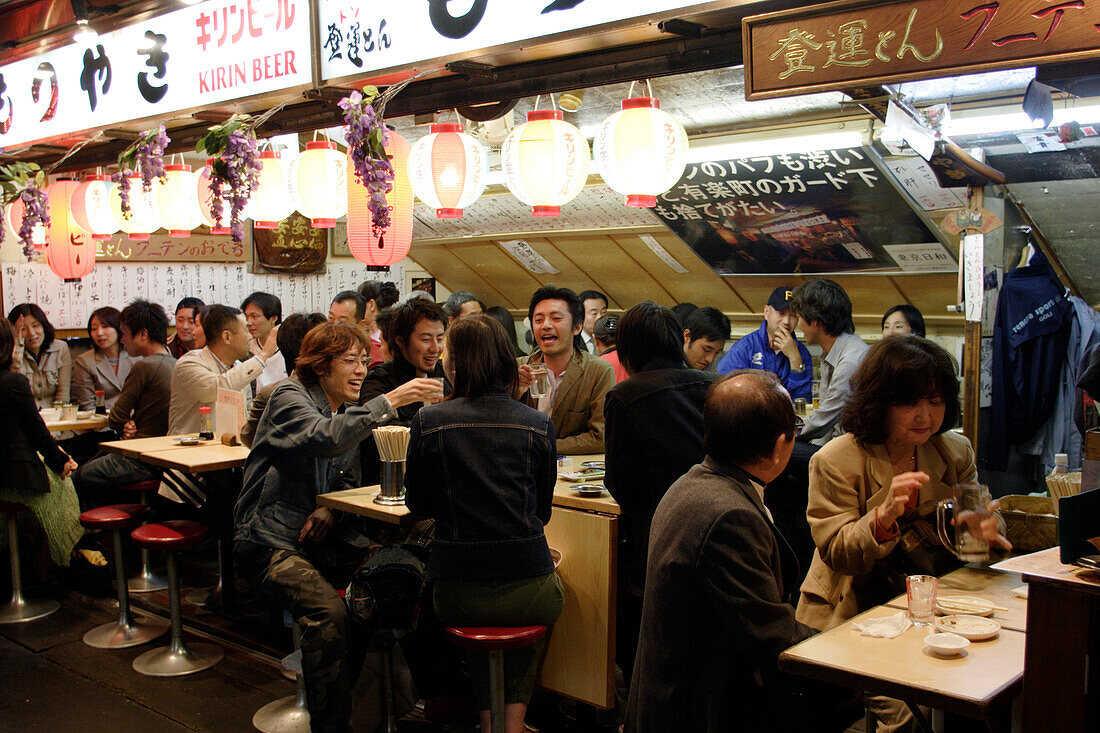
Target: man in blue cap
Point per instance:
(773, 347)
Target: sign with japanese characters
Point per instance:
(855, 43)
(919, 181)
(929, 257)
(190, 58)
(163, 248)
(822, 211)
(360, 36)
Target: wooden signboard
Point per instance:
(294, 246)
(199, 247)
(854, 43)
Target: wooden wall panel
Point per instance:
(700, 285)
(454, 274)
(623, 280)
(490, 262)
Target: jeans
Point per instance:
(97, 480)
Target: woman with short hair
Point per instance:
(903, 320)
(484, 466)
(42, 359)
(103, 367)
(881, 481)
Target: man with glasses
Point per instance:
(293, 550)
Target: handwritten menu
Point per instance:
(68, 305)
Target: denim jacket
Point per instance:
(485, 469)
(300, 450)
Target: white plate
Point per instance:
(974, 628)
(85, 414)
(946, 644)
(969, 605)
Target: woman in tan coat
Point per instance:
(873, 491)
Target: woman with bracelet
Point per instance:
(43, 360)
(871, 485)
(483, 465)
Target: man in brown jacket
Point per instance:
(578, 381)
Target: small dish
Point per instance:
(189, 441)
(594, 464)
(974, 628)
(50, 414)
(585, 474)
(589, 489)
(85, 414)
(970, 605)
(946, 644)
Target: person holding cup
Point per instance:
(874, 490)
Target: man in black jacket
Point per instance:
(418, 328)
(654, 434)
(719, 580)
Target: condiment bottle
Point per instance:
(206, 424)
(100, 403)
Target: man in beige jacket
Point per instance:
(578, 380)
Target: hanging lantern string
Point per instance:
(72, 151)
(649, 87)
(394, 89)
(630, 92)
(537, 98)
(553, 104)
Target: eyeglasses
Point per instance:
(353, 361)
(799, 423)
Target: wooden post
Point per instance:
(972, 331)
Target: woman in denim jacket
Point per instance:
(484, 466)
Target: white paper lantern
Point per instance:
(545, 162)
(320, 177)
(271, 202)
(641, 151)
(144, 216)
(91, 207)
(177, 200)
(448, 170)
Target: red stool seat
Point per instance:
(495, 638)
(7, 507)
(152, 484)
(115, 516)
(175, 534)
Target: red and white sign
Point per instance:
(190, 58)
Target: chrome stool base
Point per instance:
(287, 715)
(21, 610)
(115, 635)
(176, 662)
(146, 582)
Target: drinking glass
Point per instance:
(967, 510)
(541, 386)
(921, 591)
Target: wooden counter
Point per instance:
(980, 683)
(580, 658)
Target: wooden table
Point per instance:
(580, 658)
(977, 684)
(95, 422)
(992, 585)
(1062, 681)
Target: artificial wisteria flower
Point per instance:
(367, 137)
(235, 173)
(35, 211)
(146, 156)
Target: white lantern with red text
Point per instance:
(178, 201)
(320, 183)
(392, 243)
(448, 170)
(270, 202)
(15, 221)
(205, 201)
(144, 217)
(545, 162)
(70, 252)
(91, 207)
(641, 151)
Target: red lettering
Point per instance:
(267, 67)
(204, 84)
(289, 56)
(241, 76)
(257, 70)
(220, 78)
(279, 71)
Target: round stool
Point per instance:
(19, 609)
(288, 714)
(178, 658)
(146, 581)
(123, 633)
(495, 640)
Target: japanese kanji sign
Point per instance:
(852, 43)
(362, 36)
(822, 211)
(190, 58)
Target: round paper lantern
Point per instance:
(320, 180)
(641, 151)
(448, 170)
(545, 162)
(90, 205)
(69, 252)
(204, 199)
(144, 216)
(15, 221)
(178, 201)
(396, 239)
(270, 202)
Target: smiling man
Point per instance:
(295, 551)
(417, 328)
(263, 312)
(578, 380)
